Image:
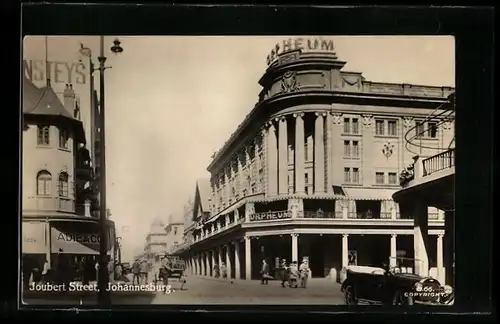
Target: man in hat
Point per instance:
(283, 272)
(293, 276)
(136, 272)
(304, 273)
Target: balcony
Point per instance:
(42, 204)
(431, 180)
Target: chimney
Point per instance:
(69, 98)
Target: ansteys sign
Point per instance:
(59, 72)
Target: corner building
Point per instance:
(57, 181)
(311, 172)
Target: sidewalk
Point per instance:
(310, 282)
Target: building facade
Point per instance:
(57, 181)
(311, 171)
(156, 242)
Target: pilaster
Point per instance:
(299, 164)
(282, 155)
(319, 153)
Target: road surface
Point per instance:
(215, 291)
(210, 291)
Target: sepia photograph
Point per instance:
(235, 170)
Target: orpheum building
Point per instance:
(311, 170)
(57, 181)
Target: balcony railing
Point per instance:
(319, 214)
(61, 204)
(272, 215)
(439, 162)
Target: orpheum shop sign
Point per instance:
(300, 43)
(74, 243)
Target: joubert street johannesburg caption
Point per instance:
(117, 287)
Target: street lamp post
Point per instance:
(104, 297)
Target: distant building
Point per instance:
(156, 241)
(57, 188)
(311, 171)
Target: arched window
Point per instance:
(63, 184)
(44, 183)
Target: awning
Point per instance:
(368, 193)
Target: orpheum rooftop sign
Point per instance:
(302, 44)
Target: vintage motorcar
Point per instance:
(364, 269)
(392, 287)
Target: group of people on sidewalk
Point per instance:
(220, 271)
(292, 274)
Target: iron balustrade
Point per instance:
(272, 215)
(319, 214)
(439, 162)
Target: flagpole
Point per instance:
(47, 69)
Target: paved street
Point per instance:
(199, 290)
(215, 291)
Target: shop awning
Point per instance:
(368, 193)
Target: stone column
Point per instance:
(282, 155)
(219, 256)
(440, 264)
(449, 247)
(227, 188)
(345, 209)
(328, 154)
(237, 261)
(272, 161)
(248, 258)
(336, 156)
(207, 264)
(241, 180)
(295, 247)
(200, 265)
(299, 164)
(319, 154)
(393, 260)
(213, 262)
(345, 250)
(228, 261)
(420, 239)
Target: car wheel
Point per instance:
(349, 296)
(400, 299)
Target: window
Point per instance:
(379, 177)
(175, 230)
(44, 181)
(347, 175)
(43, 135)
(347, 125)
(351, 126)
(391, 127)
(355, 126)
(351, 149)
(347, 149)
(420, 129)
(63, 138)
(393, 178)
(379, 127)
(355, 149)
(63, 184)
(355, 175)
(432, 130)
(306, 152)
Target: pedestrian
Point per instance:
(283, 272)
(136, 272)
(118, 271)
(216, 271)
(144, 272)
(304, 273)
(223, 270)
(97, 266)
(293, 276)
(45, 272)
(264, 273)
(111, 270)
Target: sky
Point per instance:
(172, 101)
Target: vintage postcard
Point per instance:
(238, 170)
